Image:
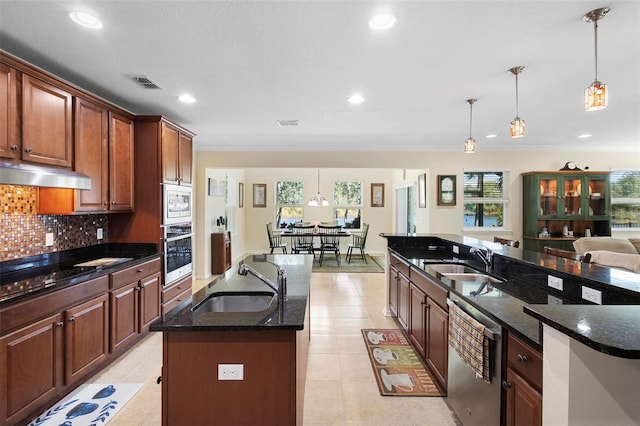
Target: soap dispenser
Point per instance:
(565, 230)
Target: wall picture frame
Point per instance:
(422, 191)
(259, 195)
(377, 195)
(240, 195)
(446, 190)
(216, 187)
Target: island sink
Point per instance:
(476, 277)
(253, 301)
(452, 269)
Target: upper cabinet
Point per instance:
(9, 113)
(46, 123)
(121, 163)
(177, 154)
(553, 200)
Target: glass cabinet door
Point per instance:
(572, 195)
(548, 196)
(595, 197)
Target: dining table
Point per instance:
(315, 233)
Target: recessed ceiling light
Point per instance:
(584, 136)
(288, 122)
(356, 99)
(85, 19)
(491, 135)
(186, 98)
(382, 21)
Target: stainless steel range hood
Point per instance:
(31, 175)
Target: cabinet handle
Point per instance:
(139, 270)
(423, 303)
(138, 288)
(14, 147)
(106, 203)
(521, 359)
(179, 288)
(28, 150)
(59, 324)
(506, 385)
(113, 203)
(71, 319)
(159, 379)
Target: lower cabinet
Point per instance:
(175, 293)
(418, 323)
(523, 384)
(393, 290)
(437, 349)
(403, 301)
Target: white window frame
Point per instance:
(623, 200)
(277, 206)
(348, 206)
(504, 200)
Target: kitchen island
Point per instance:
(231, 367)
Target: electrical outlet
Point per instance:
(230, 371)
(48, 239)
(552, 300)
(456, 249)
(554, 282)
(592, 295)
(99, 234)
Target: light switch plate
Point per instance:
(456, 249)
(592, 295)
(48, 239)
(554, 282)
(230, 371)
(99, 234)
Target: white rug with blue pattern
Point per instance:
(91, 404)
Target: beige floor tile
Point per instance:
(323, 402)
(364, 404)
(343, 325)
(350, 343)
(356, 366)
(323, 367)
(323, 344)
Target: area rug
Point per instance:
(329, 264)
(91, 404)
(398, 369)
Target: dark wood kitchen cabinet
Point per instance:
(523, 384)
(46, 123)
(418, 319)
(177, 152)
(9, 113)
(134, 302)
(399, 286)
(121, 163)
(175, 293)
(220, 252)
(437, 349)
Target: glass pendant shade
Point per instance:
(517, 128)
(470, 146)
(318, 200)
(596, 96)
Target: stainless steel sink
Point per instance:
(475, 277)
(449, 269)
(253, 301)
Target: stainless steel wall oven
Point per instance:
(178, 247)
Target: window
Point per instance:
(485, 200)
(229, 203)
(347, 201)
(289, 202)
(625, 199)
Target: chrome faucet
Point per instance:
(279, 287)
(484, 254)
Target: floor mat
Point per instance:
(398, 369)
(90, 404)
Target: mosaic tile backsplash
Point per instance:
(23, 231)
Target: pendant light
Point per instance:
(318, 200)
(596, 96)
(517, 128)
(470, 143)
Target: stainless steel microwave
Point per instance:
(177, 204)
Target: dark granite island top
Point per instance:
(291, 316)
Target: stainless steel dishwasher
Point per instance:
(475, 402)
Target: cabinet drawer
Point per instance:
(399, 264)
(134, 273)
(435, 291)
(525, 360)
(175, 289)
(166, 307)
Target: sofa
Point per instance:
(610, 251)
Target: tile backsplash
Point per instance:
(23, 231)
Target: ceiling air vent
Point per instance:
(145, 82)
(288, 122)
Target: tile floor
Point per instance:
(341, 388)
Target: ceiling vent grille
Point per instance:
(288, 122)
(145, 82)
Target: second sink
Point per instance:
(476, 277)
(253, 301)
(448, 269)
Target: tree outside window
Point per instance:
(289, 203)
(485, 200)
(347, 201)
(625, 199)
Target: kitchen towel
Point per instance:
(466, 336)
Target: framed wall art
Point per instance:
(241, 195)
(446, 190)
(377, 195)
(422, 190)
(259, 195)
(216, 187)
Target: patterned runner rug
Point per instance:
(90, 404)
(398, 369)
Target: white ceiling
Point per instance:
(250, 63)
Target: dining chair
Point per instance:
(507, 242)
(275, 241)
(583, 257)
(329, 241)
(358, 243)
(303, 239)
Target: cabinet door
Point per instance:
(524, 403)
(92, 155)
(86, 337)
(597, 198)
(403, 300)
(124, 315)
(121, 157)
(30, 368)
(170, 154)
(46, 123)
(393, 290)
(149, 299)
(417, 319)
(185, 157)
(9, 137)
(437, 340)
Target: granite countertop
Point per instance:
(32, 276)
(612, 330)
(287, 314)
